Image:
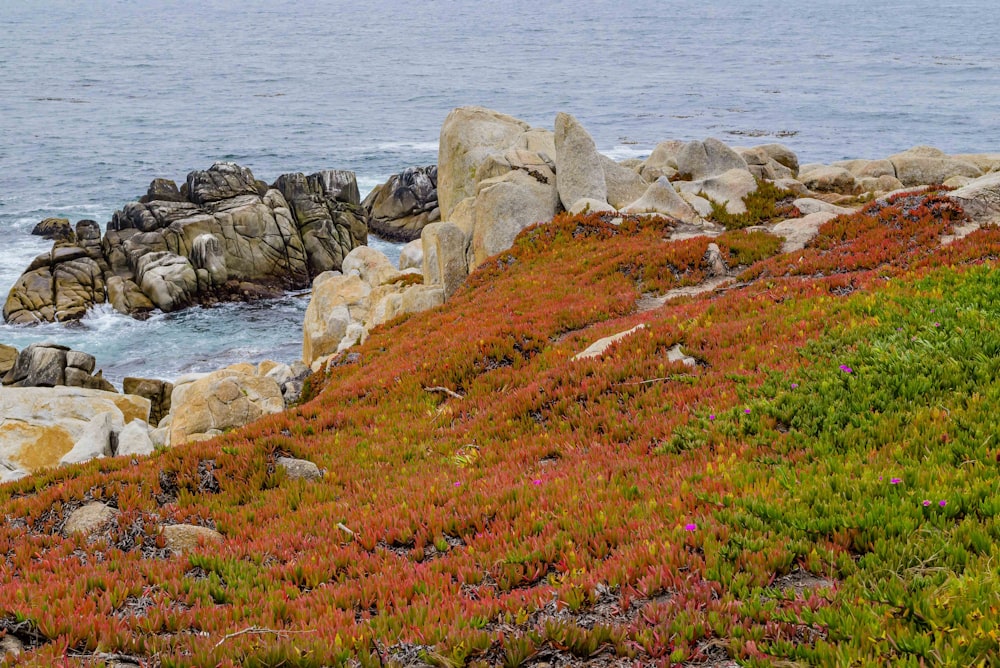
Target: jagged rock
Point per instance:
(299, 469)
(444, 256)
(57, 229)
(412, 254)
(660, 197)
(400, 208)
(823, 178)
(337, 301)
(182, 538)
(327, 209)
(8, 355)
(506, 205)
(579, 173)
(39, 365)
(162, 190)
(468, 137)
(221, 181)
(89, 519)
(134, 439)
(728, 188)
(924, 165)
(203, 406)
(156, 391)
(704, 159)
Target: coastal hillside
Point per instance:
(797, 466)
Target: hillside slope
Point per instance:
(819, 488)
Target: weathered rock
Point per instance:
(337, 301)
(715, 262)
(55, 229)
(728, 188)
(327, 210)
(156, 391)
(299, 469)
(134, 440)
(807, 205)
(221, 400)
(371, 265)
(660, 197)
(762, 165)
(597, 348)
(797, 232)
(923, 165)
(412, 254)
(986, 162)
(209, 263)
(469, 136)
(162, 190)
(623, 185)
(579, 173)
(444, 256)
(127, 298)
(981, 199)
(168, 279)
(98, 439)
(782, 155)
(506, 205)
(89, 519)
(39, 365)
(8, 355)
(822, 178)
(662, 161)
(884, 183)
(182, 538)
(221, 181)
(400, 208)
(703, 159)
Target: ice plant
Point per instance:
(846, 369)
(690, 527)
(927, 502)
(942, 503)
(895, 481)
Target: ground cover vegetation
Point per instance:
(819, 488)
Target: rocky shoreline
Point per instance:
(224, 235)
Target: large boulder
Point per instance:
(469, 136)
(579, 173)
(40, 425)
(400, 208)
(337, 302)
(622, 185)
(57, 229)
(50, 364)
(157, 391)
(168, 279)
(8, 355)
(924, 165)
(57, 286)
(826, 178)
(506, 205)
(662, 161)
(205, 405)
(703, 159)
(981, 198)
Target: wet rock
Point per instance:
(55, 229)
(402, 206)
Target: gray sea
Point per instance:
(97, 99)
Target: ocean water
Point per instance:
(96, 100)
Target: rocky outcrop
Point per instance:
(660, 197)
(49, 364)
(923, 165)
(205, 405)
(579, 174)
(40, 426)
(222, 236)
(402, 206)
(504, 206)
(57, 229)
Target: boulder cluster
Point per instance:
(223, 235)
